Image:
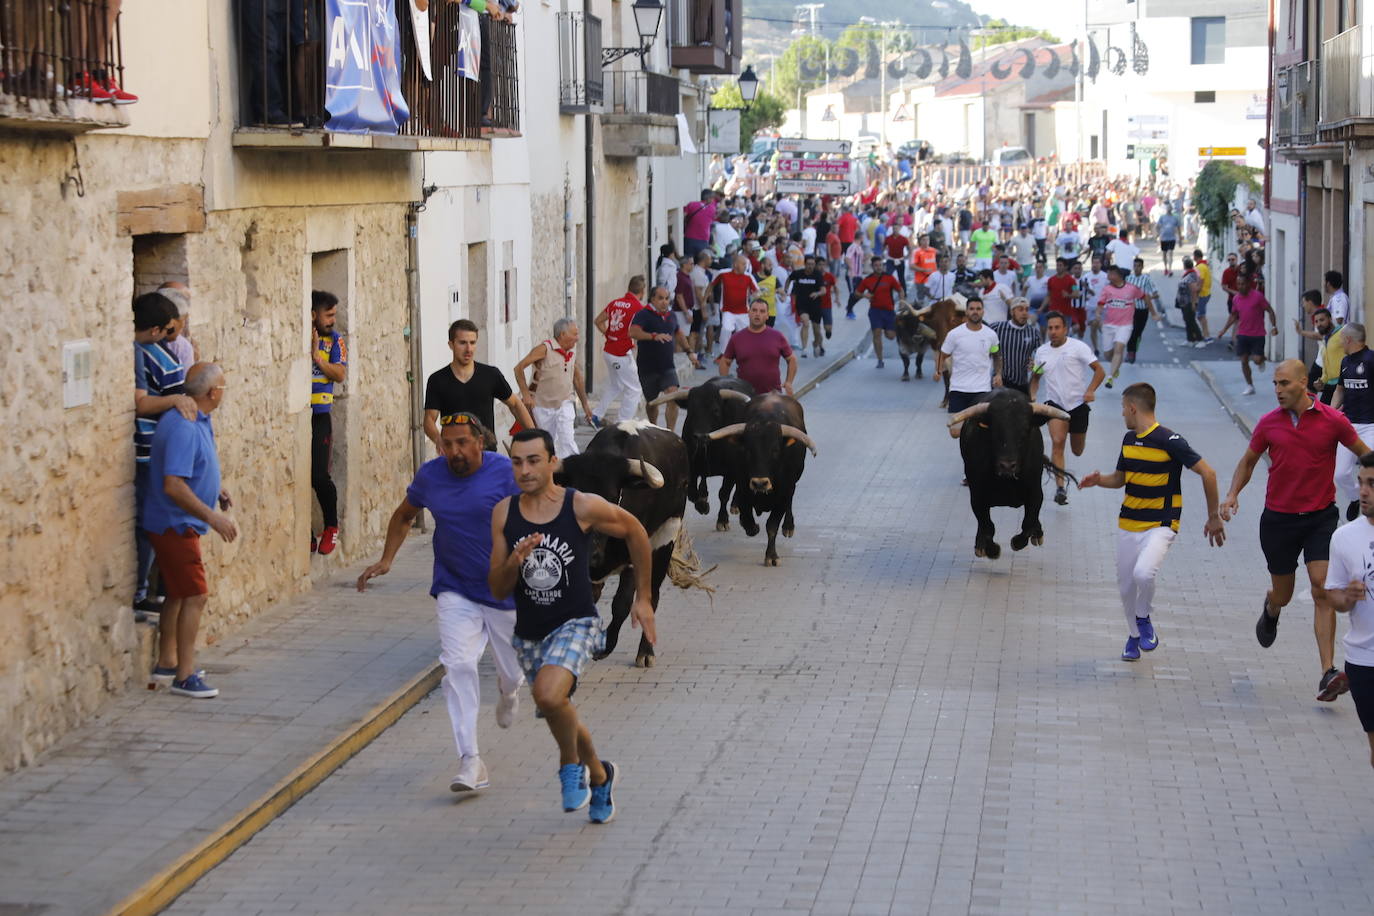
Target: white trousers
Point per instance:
(1139, 554)
(465, 627)
(622, 380)
(730, 322)
(558, 421)
(1348, 466)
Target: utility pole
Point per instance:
(807, 22)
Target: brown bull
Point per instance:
(920, 329)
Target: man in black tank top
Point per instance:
(541, 542)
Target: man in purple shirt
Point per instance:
(697, 219)
(758, 349)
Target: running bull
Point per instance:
(1004, 461)
(919, 330)
(643, 469)
(717, 402)
(773, 444)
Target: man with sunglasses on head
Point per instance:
(460, 488)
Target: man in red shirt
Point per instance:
(897, 246)
(1061, 289)
(737, 290)
(882, 291)
(622, 376)
(1299, 506)
(923, 262)
(847, 226)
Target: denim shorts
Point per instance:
(570, 646)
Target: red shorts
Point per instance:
(179, 564)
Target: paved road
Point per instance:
(885, 724)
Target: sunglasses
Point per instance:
(454, 419)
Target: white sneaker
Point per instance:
(472, 775)
(1249, 389)
(1200, 345)
(507, 707)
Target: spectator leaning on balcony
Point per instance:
(329, 363)
(92, 32)
(158, 380)
(557, 377)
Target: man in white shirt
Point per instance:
(808, 238)
(1004, 274)
(1253, 217)
(1022, 247)
(1122, 253)
(1059, 378)
(723, 234)
(1069, 241)
(940, 284)
(1038, 288)
(1337, 302)
(996, 297)
(1093, 283)
(977, 361)
(1349, 579)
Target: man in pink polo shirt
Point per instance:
(1299, 506)
(1117, 307)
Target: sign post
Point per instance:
(798, 175)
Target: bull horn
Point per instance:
(1045, 410)
(679, 395)
(968, 413)
(921, 313)
(730, 393)
(793, 433)
(652, 476)
(734, 429)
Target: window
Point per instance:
(1204, 97)
(1209, 39)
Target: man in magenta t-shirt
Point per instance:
(1248, 308)
(757, 349)
(1299, 506)
(1117, 307)
(697, 219)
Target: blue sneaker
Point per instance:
(1149, 641)
(576, 794)
(194, 686)
(1132, 651)
(163, 677)
(596, 422)
(602, 810)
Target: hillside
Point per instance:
(932, 13)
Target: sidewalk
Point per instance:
(126, 811)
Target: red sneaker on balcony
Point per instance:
(328, 539)
(118, 95)
(86, 87)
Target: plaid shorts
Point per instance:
(570, 646)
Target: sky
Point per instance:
(1039, 14)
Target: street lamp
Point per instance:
(648, 14)
(748, 86)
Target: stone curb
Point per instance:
(1220, 393)
(174, 880)
(159, 891)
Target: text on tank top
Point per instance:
(554, 584)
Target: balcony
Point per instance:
(284, 92)
(580, 88)
(55, 61)
(704, 35)
(1347, 96)
(1295, 114)
(641, 115)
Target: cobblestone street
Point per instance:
(885, 724)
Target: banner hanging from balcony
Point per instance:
(469, 44)
(363, 73)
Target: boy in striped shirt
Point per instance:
(1150, 467)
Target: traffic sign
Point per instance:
(803, 145)
(810, 186)
(1222, 152)
(1145, 150)
(836, 167)
(1147, 127)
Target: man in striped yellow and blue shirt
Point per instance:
(1150, 467)
(329, 362)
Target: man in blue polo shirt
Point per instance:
(460, 488)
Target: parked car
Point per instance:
(916, 150)
(1011, 155)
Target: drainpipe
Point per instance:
(649, 227)
(569, 243)
(412, 335)
(589, 179)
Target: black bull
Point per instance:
(773, 444)
(715, 403)
(643, 469)
(1004, 461)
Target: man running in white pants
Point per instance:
(1150, 512)
(1355, 399)
(557, 378)
(460, 488)
(622, 375)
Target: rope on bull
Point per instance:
(685, 567)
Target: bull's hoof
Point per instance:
(1019, 541)
(906, 376)
(788, 531)
(920, 374)
(979, 552)
(644, 661)
(994, 551)
(734, 510)
(750, 530)
(1037, 540)
(944, 403)
(703, 506)
(770, 561)
(722, 526)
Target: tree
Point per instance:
(785, 77)
(767, 110)
(1000, 32)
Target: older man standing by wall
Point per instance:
(185, 484)
(557, 377)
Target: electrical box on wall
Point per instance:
(76, 373)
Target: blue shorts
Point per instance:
(882, 319)
(569, 646)
(1201, 307)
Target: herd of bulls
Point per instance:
(757, 445)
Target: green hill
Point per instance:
(936, 15)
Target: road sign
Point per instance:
(1147, 127)
(810, 186)
(836, 167)
(1222, 152)
(803, 145)
(1145, 150)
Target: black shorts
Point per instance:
(1284, 535)
(963, 400)
(1249, 345)
(696, 322)
(1362, 692)
(810, 311)
(1078, 417)
(655, 383)
(1167, 246)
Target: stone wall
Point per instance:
(67, 637)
